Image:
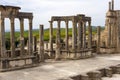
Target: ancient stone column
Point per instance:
(109, 6)
(58, 45)
(22, 53)
(109, 35)
(30, 49)
(73, 36)
(84, 35)
(118, 37)
(98, 39)
(34, 43)
(79, 35)
(51, 37)
(41, 44)
(66, 36)
(89, 35)
(2, 38)
(113, 34)
(112, 4)
(12, 37)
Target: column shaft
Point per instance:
(2, 38)
(79, 35)
(30, 49)
(98, 39)
(109, 35)
(51, 37)
(58, 45)
(22, 53)
(89, 35)
(74, 37)
(12, 37)
(34, 43)
(41, 44)
(84, 35)
(66, 36)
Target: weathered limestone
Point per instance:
(78, 44)
(95, 75)
(76, 77)
(84, 34)
(84, 77)
(98, 39)
(109, 6)
(51, 38)
(108, 72)
(79, 35)
(58, 45)
(30, 49)
(73, 36)
(2, 37)
(112, 4)
(12, 37)
(118, 69)
(22, 36)
(15, 58)
(110, 36)
(41, 44)
(89, 35)
(34, 44)
(67, 36)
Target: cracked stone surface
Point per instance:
(54, 70)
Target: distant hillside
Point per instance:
(46, 33)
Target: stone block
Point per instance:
(84, 77)
(94, 75)
(113, 69)
(76, 77)
(118, 69)
(102, 72)
(108, 72)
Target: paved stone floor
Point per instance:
(53, 70)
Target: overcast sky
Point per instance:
(44, 9)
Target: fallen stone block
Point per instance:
(108, 72)
(84, 77)
(94, 75)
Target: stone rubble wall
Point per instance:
(97, 74)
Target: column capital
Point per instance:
(50, 21)
(66, 21)
(30, 20)
(41, 25)
(21, 19)
(58, 21)
(12, 19)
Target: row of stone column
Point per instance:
(12, 37)
(81, 36)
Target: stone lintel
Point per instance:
(25, 15)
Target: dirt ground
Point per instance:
(54, 70)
